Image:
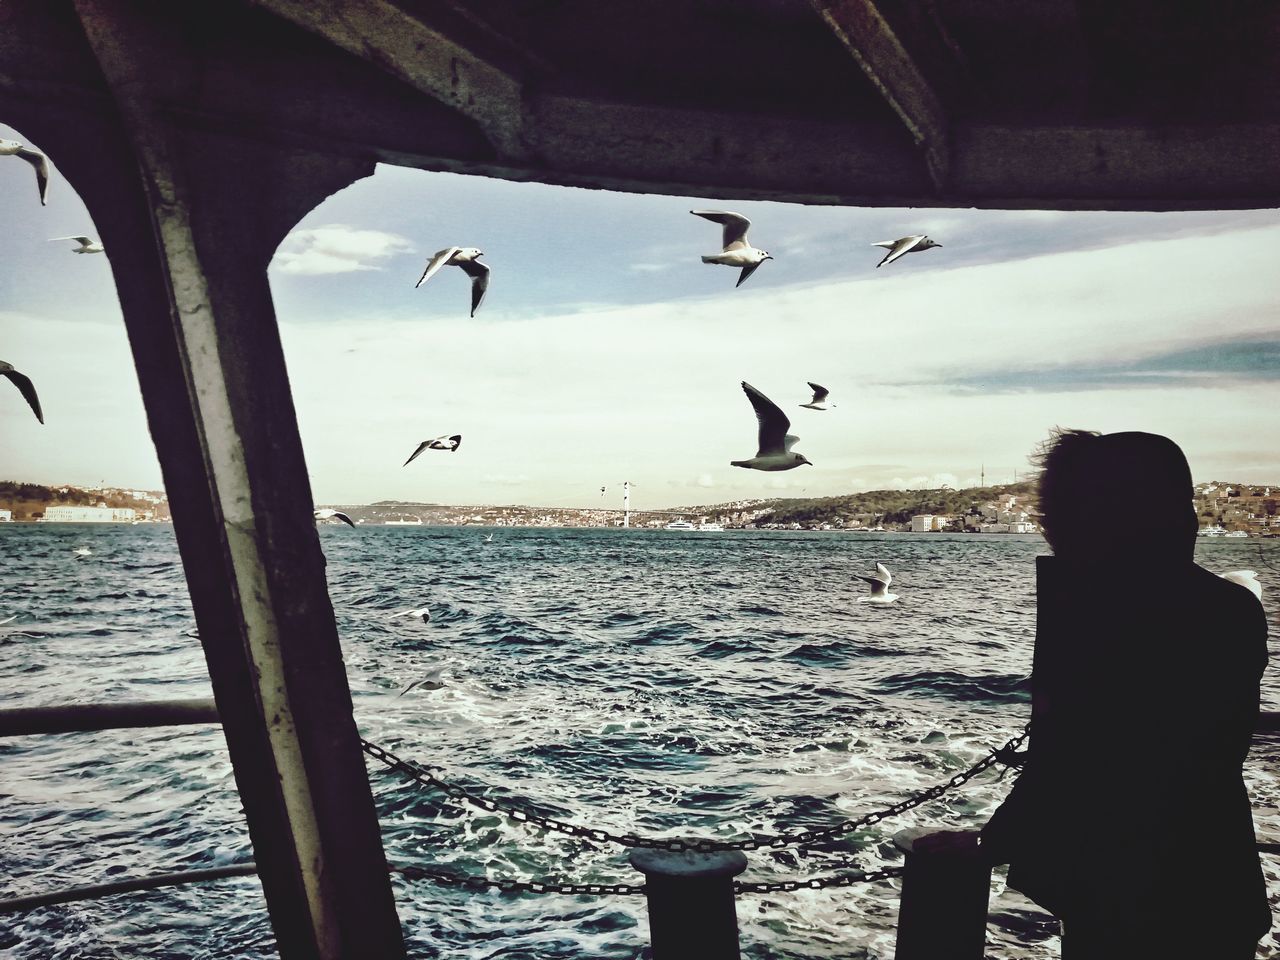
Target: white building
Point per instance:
(98, 514)
(6, 516)
(922, 523)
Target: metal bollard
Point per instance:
(942, 912)
(692, 914)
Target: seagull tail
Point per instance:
(710, 259)
(740, 463)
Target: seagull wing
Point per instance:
(735, 228)
(422, 446)
(1246, 578)
(819, 393)
(773, 422)
(747, 271)
(83, 241)
(435, 263)
(41, 164)
(456, 440)
(883, 573)
(897, 248)
(28, 391)
(479, 274)
(344, 518)
(878, 586)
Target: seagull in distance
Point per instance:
(12, 148)
(737, 251)
(906, 245)
(774, 441)
(464, 257)
(423, 612)
(879, 586)
(87, 244)
(431, 681)
(327, 514)
(819, 401)
(439, 443)
(25, 387)
(1246, 578)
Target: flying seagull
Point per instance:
(327, 514)
(897, 248)
(819, 401)
(464, 257)
(423, 612)
(879, 586)
(12, 148)
(25, 387)
(431, 681)
(87, 244)
(737, 251)
(439, 443)
(1246, 578)
(775, 443)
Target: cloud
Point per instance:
(336, 248)
(1208, 365)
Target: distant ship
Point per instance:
(711, 527)
(415, 522)
(680, 525)
(1213, 530)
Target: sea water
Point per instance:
(663, 683)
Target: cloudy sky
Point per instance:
(606, 351)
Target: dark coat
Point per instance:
(1132, 808)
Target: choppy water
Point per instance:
(649, 682)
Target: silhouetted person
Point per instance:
(1130, 821)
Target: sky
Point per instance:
(606, 351)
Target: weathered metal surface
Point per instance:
(84, 717)
(942, 911)
(874, 44)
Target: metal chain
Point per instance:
(632, 889)
(423, 776)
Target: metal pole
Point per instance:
(96, 891)
(942, 911)
(626, 503)
(84, 717)
(692, 914)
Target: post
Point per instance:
(942, 911)
(626, 503)
(692, 914)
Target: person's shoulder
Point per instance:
(1232, 602)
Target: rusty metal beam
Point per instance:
(430, 60)
(191, 221)
(87, 717)
(889, 65)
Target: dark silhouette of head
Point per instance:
(1116, 490)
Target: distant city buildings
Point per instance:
(100, 514)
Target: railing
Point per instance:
(689, 885)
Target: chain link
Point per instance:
(631, 889)
(425, 777)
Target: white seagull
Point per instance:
(25, 387)
(423, 612)
(432, 681)
(879, 586)
(905, 245)
(12, 148)
(775, 443)
(1246, 578)
(87, 244)
(464, 257)
(489, 538)
(439, 443)
(737, 251)
(819, 401)
(327, 514)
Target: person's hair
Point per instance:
(1097, 487)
